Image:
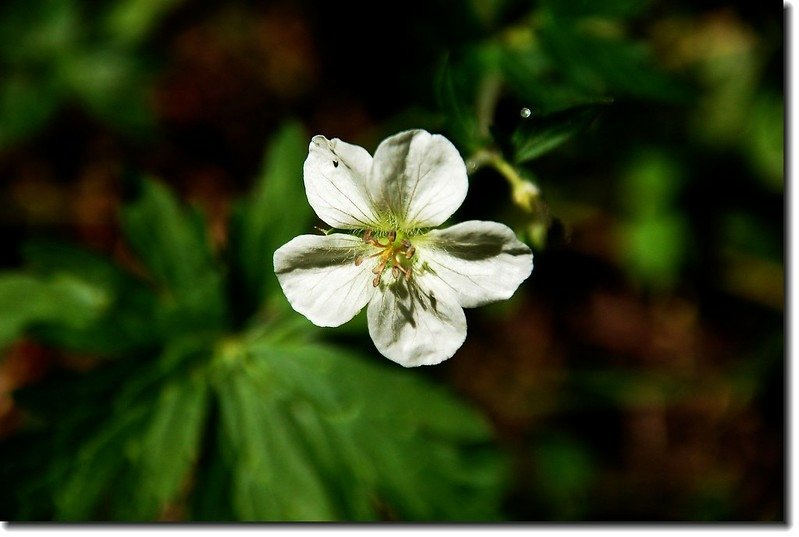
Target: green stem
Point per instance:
(485, 157)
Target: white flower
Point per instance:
(414, 279)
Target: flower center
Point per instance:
(396, 253)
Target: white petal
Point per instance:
(417, 322)
(481, 262)
(418, 178)
(335, 174)
(320, 279)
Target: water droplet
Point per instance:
(525, 112)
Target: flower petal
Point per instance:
(335, 174)
(418, 178)
(481, 262)
(416, 322)
(320, 279)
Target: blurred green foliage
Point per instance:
(56, 52)
(301, 430)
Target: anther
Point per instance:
(392, 236)
(367, 237)
(376, 281)
(410, 251)
(395, 271)
(358, 260)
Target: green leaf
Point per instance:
(313, 433)
(160, 459)
(273, 477)
(596, 60)
(130, 21)
(124, 326)
(113, 86)
(138, 459)
(26, 300)
(172, 243)
(536, 136)
(276, 211)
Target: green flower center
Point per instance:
(395, 253)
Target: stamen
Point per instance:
(389, 254)
(379, 268)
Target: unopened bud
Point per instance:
(525, 195)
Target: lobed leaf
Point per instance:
(313, 433)
(125, 325)
(26, 301)
(173, 245)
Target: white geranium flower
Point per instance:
(414, 279)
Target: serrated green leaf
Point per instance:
(275, 212)
(536, 136)
(94, 466)
(161, 459)
(172, 243)
(600, 63)
(137, 459)
(125, 325)
(273, 477)
(26, 300)
(359, 438)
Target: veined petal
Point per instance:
(320, 279)
(418, 178)
(335, 174)
(416, 322)
(481, 262)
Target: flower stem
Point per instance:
(485, 157)
(524, 192)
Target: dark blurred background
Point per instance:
(637, 375)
